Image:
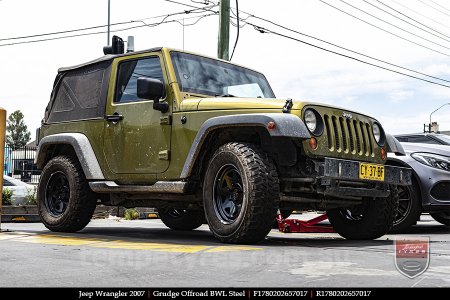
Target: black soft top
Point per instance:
(106, 58)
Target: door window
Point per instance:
(130, 71)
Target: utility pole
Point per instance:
(109, 21)
(224, 30)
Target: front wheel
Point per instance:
(65, 202)
(240, 193)
(442, 217)
(369, 220)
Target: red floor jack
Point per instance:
(299, 226)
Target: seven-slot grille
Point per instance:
(349, 136)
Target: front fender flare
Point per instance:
(393, 145)
(286, 125)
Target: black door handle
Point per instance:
(114, 118)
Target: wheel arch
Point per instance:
(71, 144)
(243, 128)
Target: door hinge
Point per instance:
(165, 120)
(164, 155)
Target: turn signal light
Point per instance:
(383, 153)
(313, 143)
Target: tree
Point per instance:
(17, 134)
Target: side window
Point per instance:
(130, 71)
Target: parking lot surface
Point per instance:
(144, 253)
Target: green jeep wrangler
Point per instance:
(199, 137)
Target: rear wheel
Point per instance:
(442, 217)
(65, 201)
(240, 193)
(181, 219)
(369, 220)
(409, 207)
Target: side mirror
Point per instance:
(152, 89)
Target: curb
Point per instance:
(29, 213)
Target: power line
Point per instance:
(391, 14)
(420, 14)
(265, 30)
(382, 29)
(440, 5)
(237, 34)
(116, 30)
(436, 9)
(399, 12)
(344, 48)
(101, 26)
(398, 27)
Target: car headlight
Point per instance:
(378, 134)
(433, 160)
(310, 120)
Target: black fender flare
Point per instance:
(286, 125)
(83, 149)
(393, 145)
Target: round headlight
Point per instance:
(376, 132)
(310, 120)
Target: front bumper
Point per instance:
(340, 178)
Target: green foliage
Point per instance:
(131, 214)
(31, 197)
(17, 134)
(7, 196)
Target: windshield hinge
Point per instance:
(287, 106)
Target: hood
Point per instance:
(228, 103)
(236, 103)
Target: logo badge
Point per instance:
(347, 115)
(412, 257)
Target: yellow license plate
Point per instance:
(371, 172)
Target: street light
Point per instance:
(429, 128)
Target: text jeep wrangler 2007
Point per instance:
(199, 137)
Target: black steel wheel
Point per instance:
(57, 194)
(228, 194)
(240, 193)
(64, 200)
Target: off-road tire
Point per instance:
(404, 220)
(81, 200)
(181, 219)
(260, 193)
(375, 221)
(442, 217)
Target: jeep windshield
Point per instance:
(206, 76)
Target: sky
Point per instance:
(294, 70)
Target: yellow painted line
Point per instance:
(55, 239)
(152, 246)
(59, 240)
(232, 248)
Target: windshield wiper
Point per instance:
(225, 95)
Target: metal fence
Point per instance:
(19, 163)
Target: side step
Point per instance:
(170, 187)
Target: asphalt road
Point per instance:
(144, 253)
